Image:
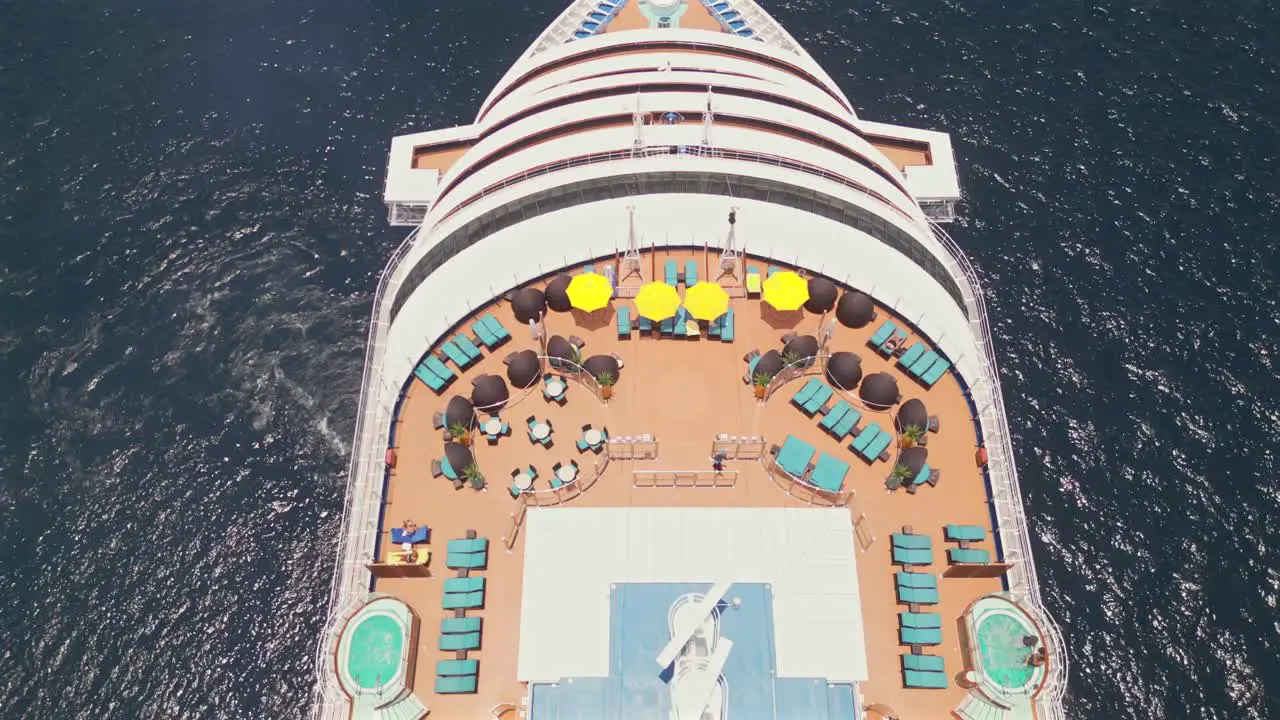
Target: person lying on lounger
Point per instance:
(410, 527)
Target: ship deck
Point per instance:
(683, 392)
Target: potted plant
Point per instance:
(761, 382)
(911, 435)
(460, 432)
(472, 474)
(606, 380)
(790, 358)
(899, 476)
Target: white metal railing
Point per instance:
(1015, 534)
(363, 500)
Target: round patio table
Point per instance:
(541, 430)
(523, 481)
(555, 388)
(567, 473)
(593, 437)
(493, 426)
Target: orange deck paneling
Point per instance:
(683, 392)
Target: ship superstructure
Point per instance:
(680, 142)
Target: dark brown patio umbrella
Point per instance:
(822, 295)
(801, 346)
(914, 458)
(913, 412)
(528, 304)
(558, 347)
(459, 410)
(459, 456)
(558, 293)
(879, 390)
(597, 364)
(523, 368)
(844, 370)
(770, 363)
(855, 309)
(489, 392)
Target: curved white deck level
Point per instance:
(553, 199)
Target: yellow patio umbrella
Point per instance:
(786, 290)
(706, 301)
(657, 301)
(589, 292)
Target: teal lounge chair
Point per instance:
(484, 335)
(714, 327)
(919, 680)
(773, 269)
(967, 533)
(455, 354)
(803, 394)
(968, 555)
(588, 268)
(672, 273)
(668, 326)
(920, 636)
(904, 556)
(624, 322)
(455, 625)
(911, 355)
(427, 377)
(690, 273)
(911, 541)
(495, 327)
(923, 663)
(726, 326)
(469, 545)
(882, 334)
(877, 446)
(933, 374)
(923, 621)
(465, 345)
(831, 419)
(864, 438)
(455, 685)
(923, 581)
(682, 317)
(917, 596)
(645, 324)
(450, 668)
(845, 426)
(437, 367)
(817, 399)
(464, 585)
(923, 363)
(463, 601)
(460, 641)
(469, 560)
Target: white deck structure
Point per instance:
(807, 555)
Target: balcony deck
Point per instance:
(683, 392)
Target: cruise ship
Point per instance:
(680, 403)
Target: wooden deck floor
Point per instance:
(683, 392)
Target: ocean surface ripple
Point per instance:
(190, 236)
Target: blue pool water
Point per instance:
(637, 687)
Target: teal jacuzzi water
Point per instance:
(375, 652)
(1004, 657)
(1000, 652)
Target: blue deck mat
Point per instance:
(637, 688)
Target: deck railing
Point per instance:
(1015, 532)
(363, 500)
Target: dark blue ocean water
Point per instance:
(190, 236)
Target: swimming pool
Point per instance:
(999, 629)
